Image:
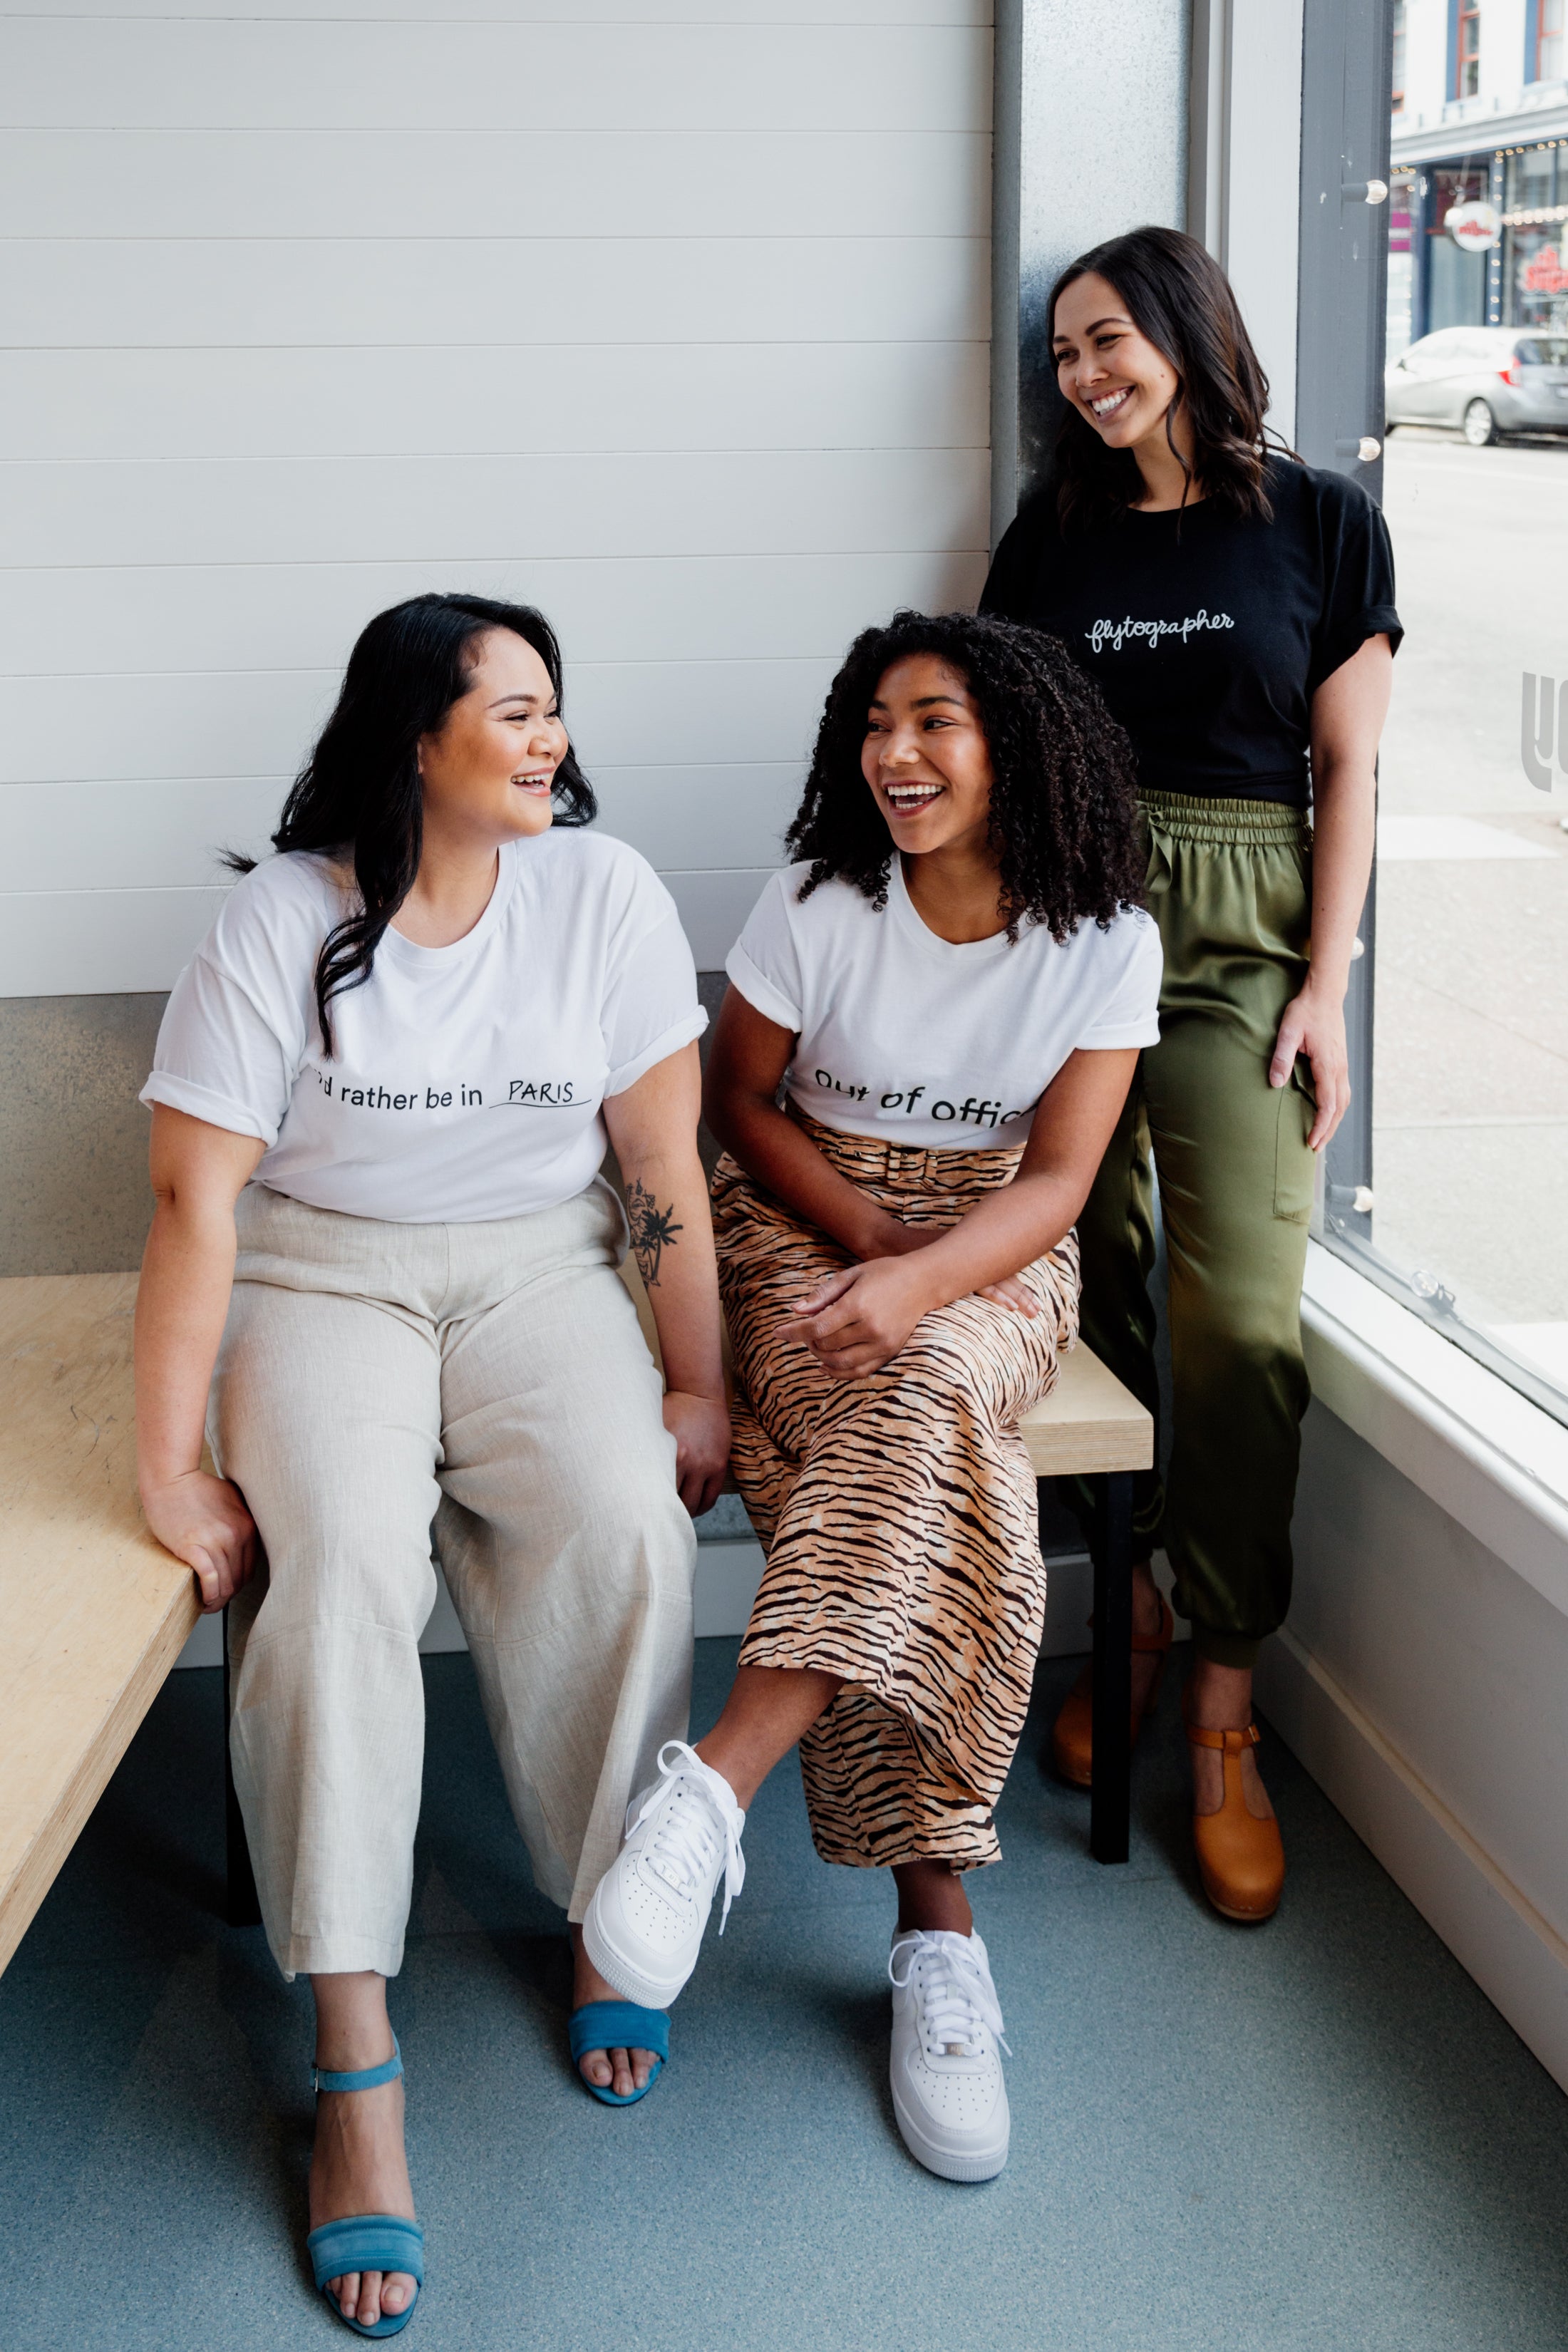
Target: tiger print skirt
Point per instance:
(897, 1511)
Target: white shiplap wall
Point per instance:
(667, 315)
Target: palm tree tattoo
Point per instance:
(653, 1231)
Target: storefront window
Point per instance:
(1469, 1205)
(1402, 200)
(1535, 225)
(1456, 274)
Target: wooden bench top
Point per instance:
(1088, 1424)
(93, 1611)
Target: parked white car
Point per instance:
(1489, 380)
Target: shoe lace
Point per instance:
(702, 1817)
(953, 1984)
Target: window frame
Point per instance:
(1345, 137)
(1466, 19)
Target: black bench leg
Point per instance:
(1112, 1704)
(243, 1909)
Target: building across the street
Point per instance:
(1478, 192)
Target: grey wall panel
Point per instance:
(891, 13)
(108, 293)
(646, 182)
(81, 942)
(143, 835)
(237, 74)
(73, 1138)
(371, 403)
(388, 509)
(660, 607)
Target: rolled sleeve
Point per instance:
(218, 1057)
(200, 1102)
(760, 992)
(1131, 1015)
(651, 1009)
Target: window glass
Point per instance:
(1551, 49)
(1469, 1079)
(1468, 53)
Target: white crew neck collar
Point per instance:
(913, 927)
(419, 958)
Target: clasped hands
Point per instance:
(857, 1321)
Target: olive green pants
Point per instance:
(1228, 886)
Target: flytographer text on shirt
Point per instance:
(1116, 634)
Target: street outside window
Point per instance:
(1470, 1076)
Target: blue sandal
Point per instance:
(619, 2025)
(367, 2242)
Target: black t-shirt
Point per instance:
(1207, 636)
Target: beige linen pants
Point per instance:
(486, 1387)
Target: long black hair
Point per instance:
(359, 792)
(1177, 295)
(1063, 803)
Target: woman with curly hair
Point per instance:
(950, 989)
(1235, 609)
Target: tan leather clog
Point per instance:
(1072, 1735)
(1241, 1860)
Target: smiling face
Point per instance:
(1107, 368)
(926, 758)
(489, 769)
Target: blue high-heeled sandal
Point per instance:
(619, 2025)
(367, 2242)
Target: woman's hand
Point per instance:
(856, 1321)
(890, 1237)
(700, 1428)
(1314, 1025)
(893, 1238)
(1010, 1293)
(203, 1521)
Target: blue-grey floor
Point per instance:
(1315, 2136)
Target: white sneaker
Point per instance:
(643, 1928)
(948, 2094)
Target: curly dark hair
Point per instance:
(1063, 802)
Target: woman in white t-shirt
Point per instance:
(386, 1079)
(951, 990)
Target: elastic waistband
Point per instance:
(1186, 817)
(911, 1167)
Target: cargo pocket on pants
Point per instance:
(1295, 1166)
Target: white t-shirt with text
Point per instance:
(905, 1036)
(467, 1080)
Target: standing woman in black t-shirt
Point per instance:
(1235, 609)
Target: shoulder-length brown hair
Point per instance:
(1178, 296)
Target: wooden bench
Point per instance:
(93, 1611)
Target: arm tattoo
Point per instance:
(653, 1231)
